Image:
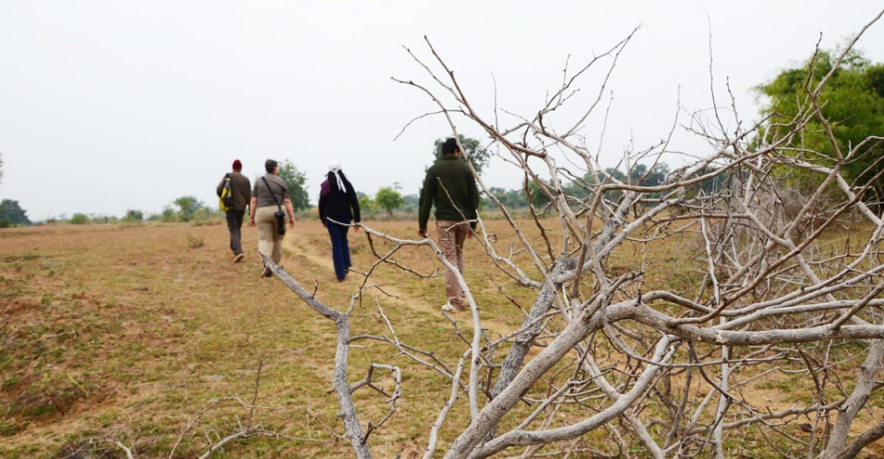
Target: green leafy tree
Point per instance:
(79, 219)
(539, 198)
(295, 182)
(168, 215)
(389, 199)
(187, 207)
(366, 205)
(473, 148)
(11, 214)
(511, 199)
(853, 103)
(639, 174)
(134, 215)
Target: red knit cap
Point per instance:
(237, 165)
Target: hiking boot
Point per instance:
(266, 272)
(447, 307)
(237, 258)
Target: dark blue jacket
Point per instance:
(338, 205)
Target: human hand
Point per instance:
(252, 221)
(291, 223)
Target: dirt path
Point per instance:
(301, 248)
(318, 256)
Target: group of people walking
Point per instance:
(449, 186)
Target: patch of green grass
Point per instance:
(10, 427)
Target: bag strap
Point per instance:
(271, 193)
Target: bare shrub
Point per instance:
(611, 361)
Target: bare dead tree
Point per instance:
(778, 285)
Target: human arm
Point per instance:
(323, 201)
(288, 207)
(354, 203)
(425, 203)
(253, 205)
(473, 192)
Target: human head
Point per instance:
(237, 166)
(270, 166)
(450, 146)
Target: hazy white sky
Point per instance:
(107, 106)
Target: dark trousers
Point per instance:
(340, 247)
(234, 224)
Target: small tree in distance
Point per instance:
(295, 181)
(366, 205)
(134, 215)
(79, 219)
(187, 207)
(11, 214)
(389, 199)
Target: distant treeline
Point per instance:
(577, 189)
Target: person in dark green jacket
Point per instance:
(451, 188)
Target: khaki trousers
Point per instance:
(452, 235)
(269, 241)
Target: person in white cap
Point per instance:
(338, 206)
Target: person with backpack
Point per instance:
(269, 196)
(338, 202)
(235, 193)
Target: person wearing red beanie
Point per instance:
(241, 192)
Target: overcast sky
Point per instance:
(107, 105)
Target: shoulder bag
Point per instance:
(280, 215)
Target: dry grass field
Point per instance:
(149, 336)
(128, 332)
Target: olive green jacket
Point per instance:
(449, 176)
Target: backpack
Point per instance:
(225, 202)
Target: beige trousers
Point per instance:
(451, 238)
(269, 242)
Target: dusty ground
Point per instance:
(127, 332)
(132, 333)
